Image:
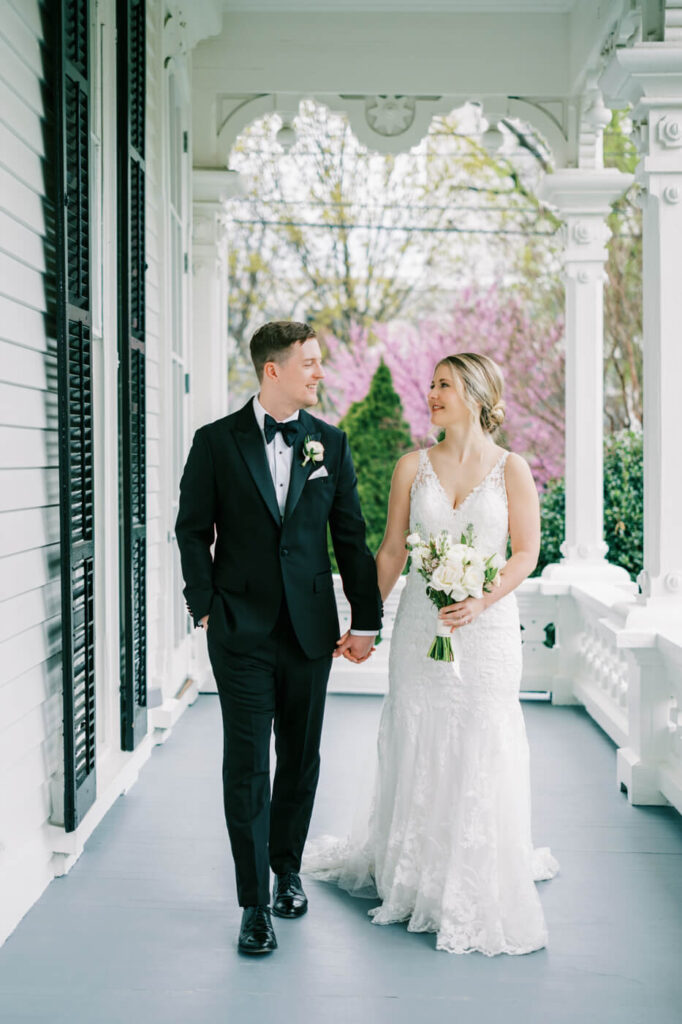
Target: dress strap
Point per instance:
(497, 472)
(422, 468)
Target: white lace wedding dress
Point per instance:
(447, 847)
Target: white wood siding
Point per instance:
(32, 850)
(30, 628)
(167, 665)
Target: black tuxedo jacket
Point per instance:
(227, 493)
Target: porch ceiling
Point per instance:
(439, 47)
(351, 6)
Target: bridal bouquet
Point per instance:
(452, 572)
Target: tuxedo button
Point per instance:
(284, 551)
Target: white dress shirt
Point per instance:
(280, 458)
(279, 455)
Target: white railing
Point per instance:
(669, 651)
(539, 623)
(602, 671)
(372, 676)
(583, 644)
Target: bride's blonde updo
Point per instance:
(483, 386)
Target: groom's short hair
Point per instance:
(272, 340)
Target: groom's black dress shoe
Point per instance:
(256, 934)
(288, 898)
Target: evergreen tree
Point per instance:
(378, 436)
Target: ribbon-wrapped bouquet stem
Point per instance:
(453, 571)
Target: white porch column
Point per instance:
(583, 199)
(208, 381)
(650, 76)
(209, 294)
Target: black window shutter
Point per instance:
(74, 361)
(131, 69)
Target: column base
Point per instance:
(639, 780)
(570, 570)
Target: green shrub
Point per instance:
(378, 435)
(623, 506)
(552, 518)
(624, 500)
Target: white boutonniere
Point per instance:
(312, 450)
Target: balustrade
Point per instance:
(578, 647)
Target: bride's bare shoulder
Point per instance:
(518, 476)
(408, 463)
(406, 468)
(516, 467)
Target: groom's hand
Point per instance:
(354, 648)
(204, 621)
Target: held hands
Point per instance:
(462, 613)
(354, 648)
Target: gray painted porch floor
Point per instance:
(143, 928)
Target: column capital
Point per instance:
(575, 192)
(649, 76)
(583, 200)
(215, 185)
(643, 74)
(210, 190)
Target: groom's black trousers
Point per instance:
(275, 685)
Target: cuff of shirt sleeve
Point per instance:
(363, 632)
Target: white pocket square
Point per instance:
(322, 471)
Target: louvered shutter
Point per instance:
(132, 446)
(73, 329)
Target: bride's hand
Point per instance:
(462, 613)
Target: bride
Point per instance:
(448, 844)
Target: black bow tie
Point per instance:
(288, 430)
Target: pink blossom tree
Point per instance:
(498, 324)
(349, 370)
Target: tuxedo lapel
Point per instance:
(299, 472)
(249, 440)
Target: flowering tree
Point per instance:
(335, 234)
(495, 323)
(350, 370)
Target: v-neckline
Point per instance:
(456, 508)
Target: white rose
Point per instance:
(456, 567)
(316, 450)
(472, 580)
(458, 593)
(456, 557)
(313, 451)
(496, 561)
(476, 558)
(412, 540)
(444, 578)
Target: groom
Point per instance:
(265, 482)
